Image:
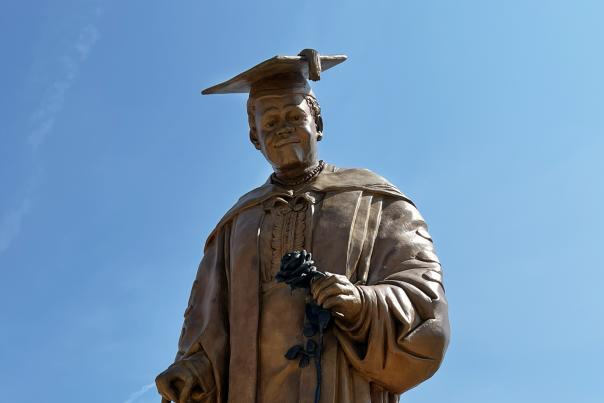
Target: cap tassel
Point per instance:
(314, 63)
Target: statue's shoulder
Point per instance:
(250, 199)
(332, 179)
(350, 179)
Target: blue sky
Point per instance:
(113, 169)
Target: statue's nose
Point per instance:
(285, 130)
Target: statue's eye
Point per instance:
(270, 124)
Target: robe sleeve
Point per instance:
(401, 335)
(204, 340)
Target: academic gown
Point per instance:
(357, 224)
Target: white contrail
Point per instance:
(44, 116)
(134, 396)
(11, 224)
(43, 119)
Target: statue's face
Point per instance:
(286, 131)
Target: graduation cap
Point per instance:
(279, 75)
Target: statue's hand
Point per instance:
(336, 293)
(176, 383)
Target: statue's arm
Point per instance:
(203, 344)
(400, 336)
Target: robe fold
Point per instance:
(361, 226)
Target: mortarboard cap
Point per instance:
(279, 74)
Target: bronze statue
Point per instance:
(361, 317)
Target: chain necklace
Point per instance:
(298, 181)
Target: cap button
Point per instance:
(314, 63)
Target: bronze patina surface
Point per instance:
(255, 324)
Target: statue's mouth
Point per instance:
(283, 142)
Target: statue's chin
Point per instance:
(291, 157)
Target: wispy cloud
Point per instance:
(42, 119)
(11, 224)
(136, 395)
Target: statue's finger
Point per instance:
(185, 392)
(321, 285)
(164, 389)
(342, 278)
(171, 395)
(330, 291)
(332, 302)
(168, 395)
(337, 314)
(336, 302)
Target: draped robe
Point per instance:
(361, 226)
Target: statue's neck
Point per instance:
(298, 175)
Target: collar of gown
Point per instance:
(331, 179)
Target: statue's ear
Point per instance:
(319, 122)
(254, 139)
